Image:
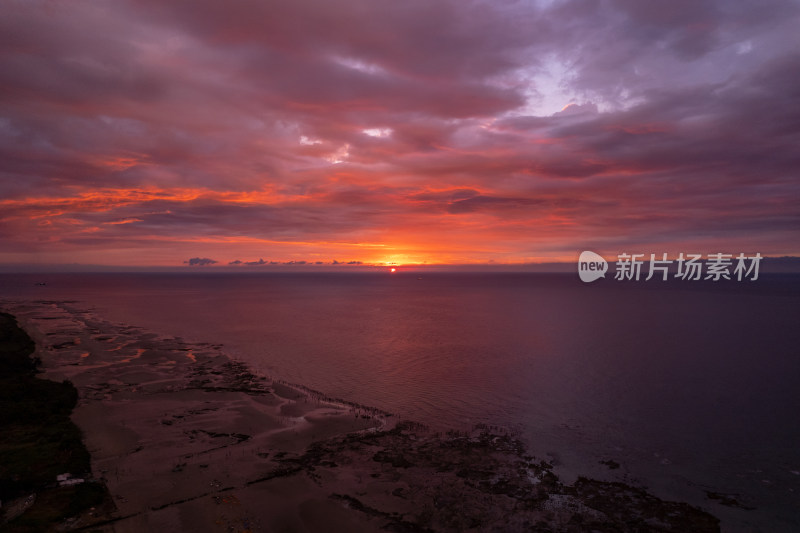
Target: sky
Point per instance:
(212, 133)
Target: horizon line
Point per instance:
(773, 263)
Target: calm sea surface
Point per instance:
(689, 386)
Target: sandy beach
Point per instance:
(187, 439)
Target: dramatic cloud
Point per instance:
(133, 132)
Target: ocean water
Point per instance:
(692, 387)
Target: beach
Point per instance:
(188, 439)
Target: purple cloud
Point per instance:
(366, 126)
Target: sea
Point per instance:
(690, 389)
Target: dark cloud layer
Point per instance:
(200, 261)
(412, 131)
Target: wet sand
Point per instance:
(187, 439)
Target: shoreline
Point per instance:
(45, 471)
(188, 439)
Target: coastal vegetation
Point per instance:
(39, 443)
